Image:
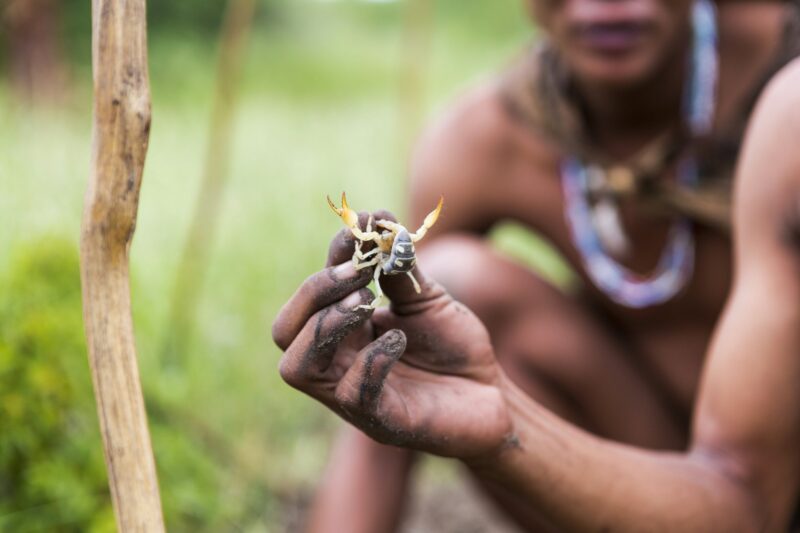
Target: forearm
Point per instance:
(364, 487)
(584, 483)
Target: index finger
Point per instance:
(318, 291)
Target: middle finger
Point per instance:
(319, 290)
(306, 362)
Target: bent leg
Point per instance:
(364, 488)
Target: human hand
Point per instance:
(419, 374)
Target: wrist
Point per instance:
(494, 460)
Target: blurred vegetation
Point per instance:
(236, 449)
(51, 471)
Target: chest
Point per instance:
(536, 200)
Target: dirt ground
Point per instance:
(453, 507)
(443, 500)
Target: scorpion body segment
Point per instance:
(402, 258)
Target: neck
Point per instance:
(623, 120)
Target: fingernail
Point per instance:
(394, 342)
(346, 271)
(352, 300)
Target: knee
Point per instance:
(465, 266)
(456, 262)
(474, 273)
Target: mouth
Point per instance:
(611, 38)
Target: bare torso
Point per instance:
(492, 168)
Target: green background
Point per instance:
(320, 111)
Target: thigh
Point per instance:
(554, 347)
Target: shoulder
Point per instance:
(768, 183)
(776, 121)
(477, 125)
(468, 152)
(456, 157)
(774, 131)
(477, 133)
(782, 90)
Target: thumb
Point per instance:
(402, 292)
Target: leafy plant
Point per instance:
(52, 474)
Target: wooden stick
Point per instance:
(119, 144)
(191, 270)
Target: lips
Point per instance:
(611, 37)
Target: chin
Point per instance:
(615, 72)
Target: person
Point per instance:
(586, 141)
(423, 374)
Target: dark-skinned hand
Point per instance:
(419, 374)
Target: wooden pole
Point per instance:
(191, 270)
(120, 137)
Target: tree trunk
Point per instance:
(120, 138)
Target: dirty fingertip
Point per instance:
(393, 342)
(341, 247)
(356, 299)
(348, 271)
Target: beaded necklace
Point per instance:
(676, 265)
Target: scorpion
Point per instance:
(394, 252)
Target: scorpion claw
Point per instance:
(348, 216)
(333, 206)
(429, 221)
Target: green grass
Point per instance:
(318, 115)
